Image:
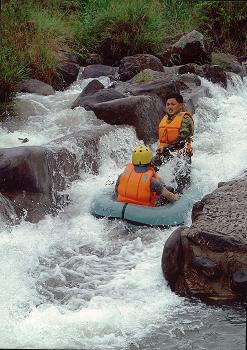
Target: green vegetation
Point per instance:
(224, 23)
(115, 29)
(32, 31)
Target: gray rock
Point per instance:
(142, 112)
(32, 177)
(98, 70)
(131, 65)
(104, 95)
(35, 86)
(190, 48)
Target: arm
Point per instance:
(158, 187)
(171, 197)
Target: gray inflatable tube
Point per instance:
(105, 205)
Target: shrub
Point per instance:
(225, 23)
(115, 29)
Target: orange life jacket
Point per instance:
(169, 131)
(135, 187)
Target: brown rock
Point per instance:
(214, 247)
(131, 65)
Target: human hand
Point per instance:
(159, 150)
(176, 196)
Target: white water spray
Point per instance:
(74, 281)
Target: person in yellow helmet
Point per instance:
(139, 184)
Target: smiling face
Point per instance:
(173, 107)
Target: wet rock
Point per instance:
(92, 87)
(227, 62)
(148, 75)
(191, 80)
(35, 86)
(172, 257)
(8, 214)
(206, 266)
(131, 65)
(214, 247)
(213, 73)
(102, 95)
(67, 71)
(190, 48)
(142, 112)
(192, 96)
(158, 87)
(143, 117)
(99, 70)
(34, 177)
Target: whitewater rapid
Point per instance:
(74, 281)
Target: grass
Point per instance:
(225, 23)
(115, 29)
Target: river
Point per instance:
(77, 282)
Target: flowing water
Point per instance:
(74, 281)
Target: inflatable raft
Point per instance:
(172, 214)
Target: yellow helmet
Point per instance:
(142, 155)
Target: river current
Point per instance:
(77, 282)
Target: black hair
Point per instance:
(176, 95)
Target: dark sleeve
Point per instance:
(156, 186)
(116, 185)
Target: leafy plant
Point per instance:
(116, 29)
(225, 22)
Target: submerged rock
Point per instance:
(202, 260)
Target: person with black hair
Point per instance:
(176, 130)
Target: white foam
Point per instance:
(81, 282)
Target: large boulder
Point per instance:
(99, 70)
(102, 95)
(33, 177)
(209, 259)
(190, 48)
(35, 86)
(146, 111)
(143, 112)
(158, 87)
(67, 70)
(228, 63)
(213, 73)
(131, 65)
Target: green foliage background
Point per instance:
(32, 31)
